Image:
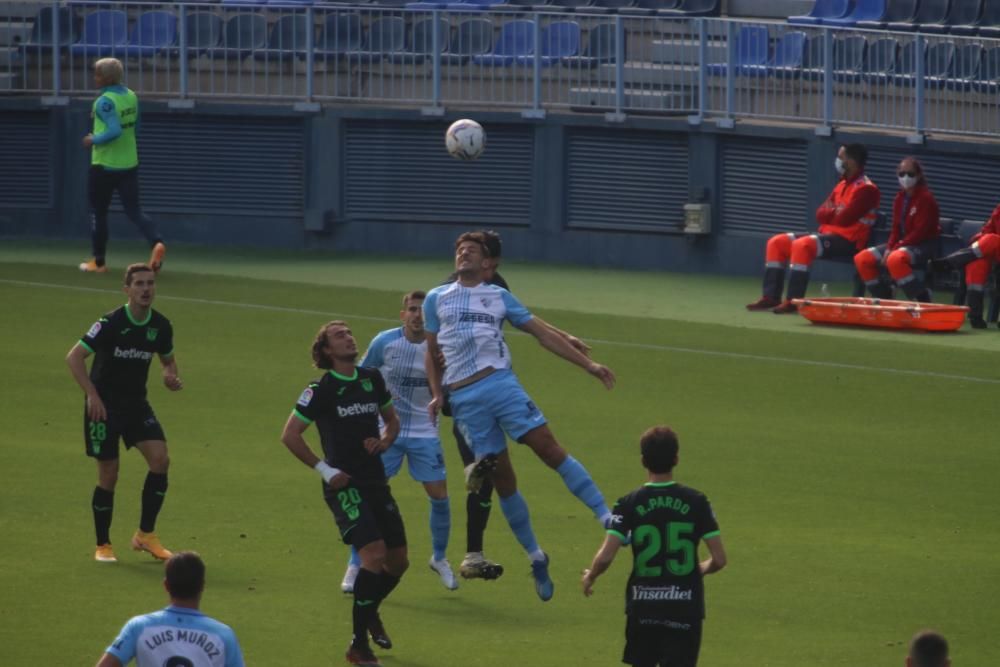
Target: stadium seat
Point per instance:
(564, 6)
(751, 49)
(600, 49)
(154, 32)
(517, 38)
(291, 5)
(471, 5)
(883, 56)
(105, 33)
(560, 39)
(972, 27)
(940, 60)
(693, 8)
(989, 21)
(40, 39)
(823, 9)
(473, 37)
(386, 36)
(421, 43)
(928, 12)
(243, 4)
(648, 7)
(786, 63)
(864, 10)
(896, 11)
(962, 12)
(906, 64)
(988, 80)
(964, 69)
(203, 31)
(848, 59)
(341, 33)
(522, 6)
(288, 40)
(608, 6)
(241, 36)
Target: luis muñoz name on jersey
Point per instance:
(132, 353)
(357, 409)
(172, 635)
(661, 593)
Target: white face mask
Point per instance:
(838, 164)
(907, 182)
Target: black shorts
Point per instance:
(366, 514)
(650, 642)
(133, 425)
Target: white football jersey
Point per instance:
(402, 365)
(468, 322)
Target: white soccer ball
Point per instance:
(465, 139)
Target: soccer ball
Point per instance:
(465, 139)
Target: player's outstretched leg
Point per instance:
(477, 512)
(440, 523)
(574, 475)
(103, 504)
(153, 493)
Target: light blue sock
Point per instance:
(355, 558)
(580, 484)
(516, 512)
(440, 526)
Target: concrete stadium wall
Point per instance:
(272, 177)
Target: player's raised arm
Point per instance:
(561, 347)
(577, 344)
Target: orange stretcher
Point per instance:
(882, 313)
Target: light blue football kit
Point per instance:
(179, 637)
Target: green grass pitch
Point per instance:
(852, 471)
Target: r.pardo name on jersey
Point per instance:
(663, 502)
(171, 635)
(357, 409)
(661, 593)
(132, 353)
(482, 318)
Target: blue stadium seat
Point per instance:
(242, 35)
(341, 33)
(649, 7)
(896, 11)
(906, 65)
(154, 32)
(940, 58)
(693, 8)
(752, 44)
(988, 80)
(560, 39)
(961, 13)
(521, 6)
(517, 38)
(288, 40)
(609, 6)
(471, 5)
(386, 36)
(105, 33)
(989, 21)
(928, 12)
(972, 27)
(823, 9)
(243, 4)
(883, 57)
(849, 54)
(963, 71)
(42, 30)
(288, 4)
(564, 6)
(786, 63)
(600, 50)
(473, 37)
(864, 10)
(421, 42)
(203, 31)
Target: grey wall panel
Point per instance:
(25, 159)
(765, 186)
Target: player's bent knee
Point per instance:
(437, 490)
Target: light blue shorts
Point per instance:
(497, 404)
(423, 455)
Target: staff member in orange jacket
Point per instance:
(915, 237)
(845, 220)
(977, 259)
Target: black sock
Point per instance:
(103, 505)
(153, 492)
(366, 596)
(477, 509)
(386, 583)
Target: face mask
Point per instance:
(907, 182)
(838, 164)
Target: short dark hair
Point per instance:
(133, 269)
(858, 153)
(929, 649)
(659, 447)
(319, 356)
(474, 237)
(493, 243)
(185, 573)
(415, 294)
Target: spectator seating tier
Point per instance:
(896, 11)
(823, 9)
(601, 48)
